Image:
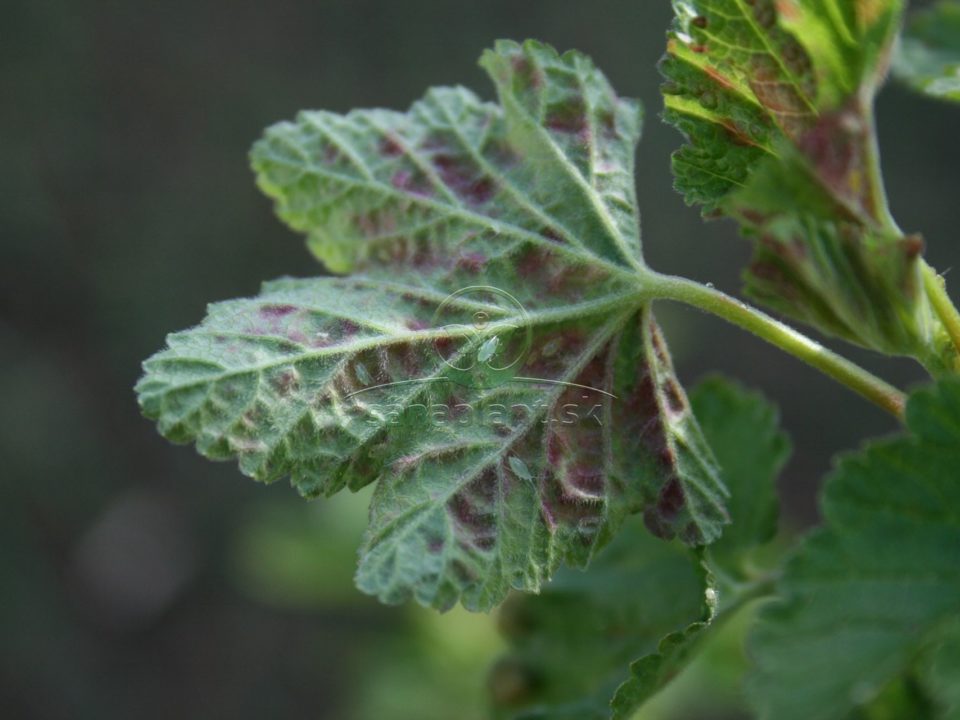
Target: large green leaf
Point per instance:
(775, 100)
(493, 364)
(929, 56)
(867, 593)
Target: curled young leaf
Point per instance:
(775, 99)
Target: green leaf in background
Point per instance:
(939, 672)
(929, 55)
(775, 100)
(742, 429)
(492, 365)
(571, 646)
(878, 583)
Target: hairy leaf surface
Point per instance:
(929, 56)
(775, 99)
(867, 593)
(492, 364)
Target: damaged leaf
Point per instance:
(491, 364)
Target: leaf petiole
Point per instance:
(782, 336)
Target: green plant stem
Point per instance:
(942, 305)
(934, 286)
(876, 189)
(784, 337)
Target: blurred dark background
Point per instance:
(136, 578)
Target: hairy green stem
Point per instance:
(937, 293)
(784, 337)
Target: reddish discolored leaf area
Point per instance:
(679, 481)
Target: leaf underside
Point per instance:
(878, 583)
(491, 363)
